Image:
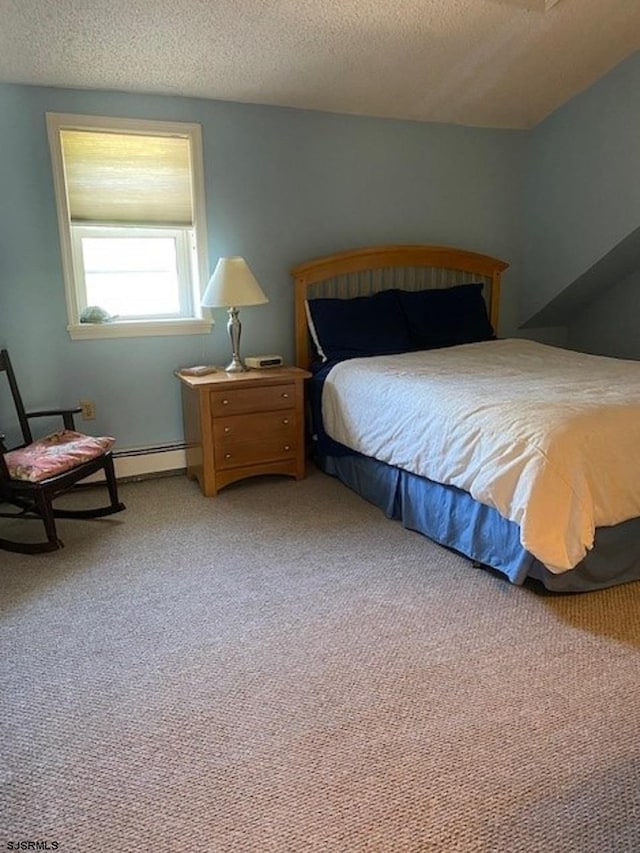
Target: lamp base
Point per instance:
(236, 365)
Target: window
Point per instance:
(130, 199)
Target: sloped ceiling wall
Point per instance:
(610, 323)
(582, 199)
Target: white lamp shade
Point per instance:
(232, 284)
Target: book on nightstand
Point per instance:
(198, 370)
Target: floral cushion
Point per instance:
(54, 454)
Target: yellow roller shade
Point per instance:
(126, 178)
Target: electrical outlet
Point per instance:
(88, 410)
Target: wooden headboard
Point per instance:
(361, 272)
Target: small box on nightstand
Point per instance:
(257, 362)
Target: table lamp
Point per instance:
(233, 284)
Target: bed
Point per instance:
(524, 458)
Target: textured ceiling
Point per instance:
(495, 63)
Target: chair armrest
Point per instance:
(67, 415)
(4, 470)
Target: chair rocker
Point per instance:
(34, 473)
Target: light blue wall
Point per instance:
(582, 194)
(282, 186)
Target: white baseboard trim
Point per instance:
(145, 462)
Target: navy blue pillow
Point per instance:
(446, 317)
(365, 325)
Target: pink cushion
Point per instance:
(54, 454)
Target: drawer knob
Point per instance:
(287, 447)
(225, 402)
(227, 429)
(285, 395)
(227, 456)
(285, 420)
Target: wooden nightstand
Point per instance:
(238, 425)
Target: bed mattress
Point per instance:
(548, 438)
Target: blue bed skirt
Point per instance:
(453, 518)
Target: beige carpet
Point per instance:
(283, 669)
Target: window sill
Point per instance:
(138, 329)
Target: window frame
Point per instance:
(200, 321)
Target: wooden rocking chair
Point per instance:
(34, 473)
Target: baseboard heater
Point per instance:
(134, 462)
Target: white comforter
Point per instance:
(549, 437)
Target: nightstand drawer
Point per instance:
(267, 449)
(237, 401)
(239, 428)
